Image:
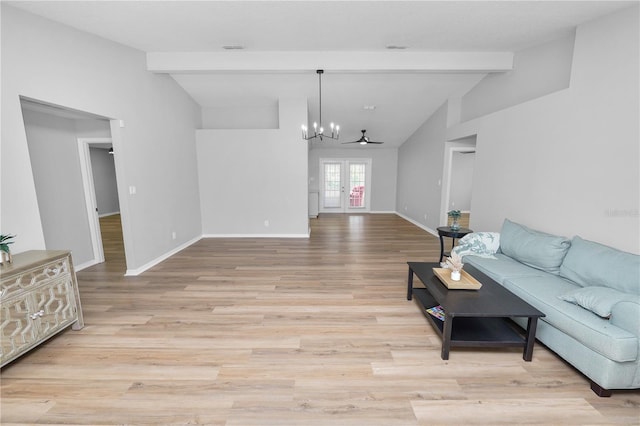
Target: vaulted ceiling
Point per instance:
(403, 57)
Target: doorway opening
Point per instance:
(65, 149)
(458, 179)
(345, 185)
(97, 164)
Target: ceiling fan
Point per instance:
(363, 140)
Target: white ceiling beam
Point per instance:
(343, 61)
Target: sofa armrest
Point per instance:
(626, 315)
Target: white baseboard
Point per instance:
(108, 214)
(85, 265)
(363, 212)
(148, 265)
(418, 224)
(255, 236)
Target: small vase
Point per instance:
(455, 225)
(455, 275)
(5, 257)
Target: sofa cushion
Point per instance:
(591, 264)
(599, 300)
(501, 267)
(534, 248)
(598, 334)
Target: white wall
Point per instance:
(53, 150)
(104, 181)
(568, 163)
(384, 170)
(461, 181)
(420, 164)
(250, 176)
(93, 128)
(241, 117)
(537, 71)
(51, 62)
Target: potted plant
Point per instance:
(455, 216)
(5, 252)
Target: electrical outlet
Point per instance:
(266, 223)
(173, 235)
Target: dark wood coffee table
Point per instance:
(474, 318)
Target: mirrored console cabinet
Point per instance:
(38, 298)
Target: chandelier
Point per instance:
(318, 129)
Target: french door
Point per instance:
(345, 185)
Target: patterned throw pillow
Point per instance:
(483, 244)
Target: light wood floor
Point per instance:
(286, 332)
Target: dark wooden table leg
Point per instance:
(410, 284)
(441, 248)
(532, 324)
(446, 336)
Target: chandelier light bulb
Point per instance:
(315, 125)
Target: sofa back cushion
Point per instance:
(533, 248)
(591, 264)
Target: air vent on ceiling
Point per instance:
(233, 47)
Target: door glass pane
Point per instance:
(356, 183)
(332, 185)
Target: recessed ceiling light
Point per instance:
(369, 107)
(396, 47)
(233, 47)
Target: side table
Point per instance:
(446, 231)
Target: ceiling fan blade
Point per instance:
(364, 140)
(360, 142)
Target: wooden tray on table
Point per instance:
(467, 282)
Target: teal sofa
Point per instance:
(590, 294)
